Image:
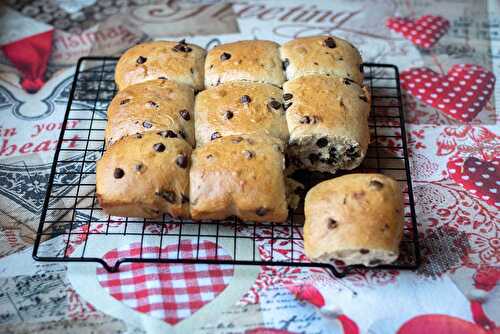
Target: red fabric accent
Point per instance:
(477, 176)
(486, 277)
(423, 32)
(439, 324)
(480, 317)
(348, 325)
(307, 292)
(461, 94)
(171, 292)
(30, 56)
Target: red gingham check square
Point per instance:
(170, 292)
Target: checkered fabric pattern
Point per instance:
(171, 292)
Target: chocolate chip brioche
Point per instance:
(237, 108)
(328, 123)
(356, 218)
(145, 175)
(157, 105)
(240, 176)
(176, 61)
(256, 61)
(328, 55)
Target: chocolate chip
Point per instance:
(184, 199)
(146, 124)
(182, 47)
(228, 114)
(159, 147)
(286, 62)
(245, 99)
(340, 59)
(332, 224)
(118, 173)
(375, 262)
(139, 167)
(215, 135)
(377, 185)
(274, 104)
(191, 70)
(182, 134)
(168, 196)
(316, 63)
(168, 134)
(261, 211)
(237, 140)
(209, 156)
(313, 157)
(352, 152)
(305, 120)
(287, 96)
(122, 102)
(322, 142)
(287, 105)
(225, 56)
(330, 43)
(363, 98)
(153, 104)
(141, 60)
(162, 78)
(248, 154)
(347, 81)
(181, 161)
(185, 114)
(364, 251)
(138, 135)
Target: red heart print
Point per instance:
(460, 94)
(423, 32)
(171, 292)
(481, 178)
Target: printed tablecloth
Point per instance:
(448, 53)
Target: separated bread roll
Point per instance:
(158, 105)
(328, 123)
(356, 218)
(237, 108)
(322, 55)
(239, 176)
(176, 61)
(145, 175)
(256, 61)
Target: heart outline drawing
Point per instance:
(461, 94)
(423, 32)
(84, 279)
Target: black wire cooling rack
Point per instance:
(81, 222)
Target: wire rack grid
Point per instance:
(81, 222)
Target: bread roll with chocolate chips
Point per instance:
(327, 121)
(176, 61)
(255, 61)
(328, 55)
(239, 176)
(356, 218)
(157, 105)
(145, 175)
(238, 108)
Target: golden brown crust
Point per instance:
(225, 110)
(175, 61)
(144, 176)
(327, 55)
(157, 105)
(241, 176)
(327, 107)
(256, 61)
(356, 218)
